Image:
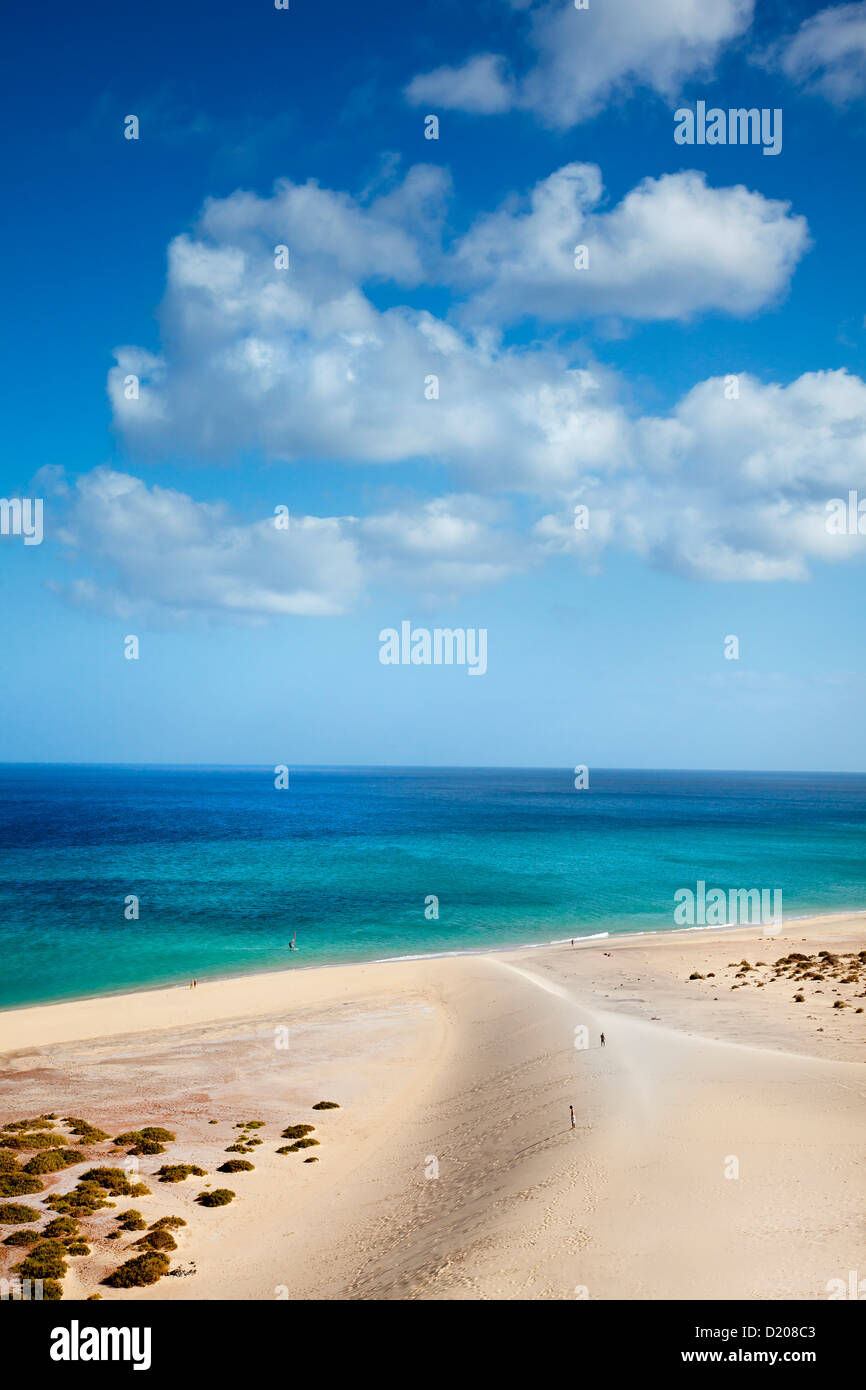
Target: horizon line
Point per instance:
(440, 767)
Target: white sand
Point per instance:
(467, 1066)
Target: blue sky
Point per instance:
(558, 387)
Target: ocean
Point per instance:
(356, 861)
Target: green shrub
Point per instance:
(297, 1131)
(150, 1140)
(15, 1214)
(147, 1146)
(799, 998)
(51, 1161)
(87, 1133)
(42, 1122)
(115, 1181)
(695, 976)
(236, 1165)
(113, 1235)
(139, 1271)
(65, 1207)
(254, 1124)
(167, 1223)
(132, 1221)
(32, 1141)
(45, 1261)
(177, 1172)
(8, 1162)
(237, 1149)
(52, 1290)
(23, 1238)
(218, 1198)
(61, 1228)
(326, 1105)
(18, 1184)
(154, 1132)
(158, 1240)
(78, 1247)
(299, 1144)
(84, 1200)
(312, 1159)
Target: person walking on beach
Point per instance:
(602, 1039)
(571, 1108)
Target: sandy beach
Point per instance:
(716, 1151)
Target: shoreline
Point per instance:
(580, 942)
(467, 1065)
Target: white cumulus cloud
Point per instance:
(673, 247)
(732, 488)
(301, 363)
(731, 485)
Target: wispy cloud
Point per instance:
(579, 61)
(160, 553)
(827, 54)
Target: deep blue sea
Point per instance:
(227, 868)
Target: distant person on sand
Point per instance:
(571, 1108)
(602, 1039)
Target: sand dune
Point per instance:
(451, 1170)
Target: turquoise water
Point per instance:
(227, 868)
